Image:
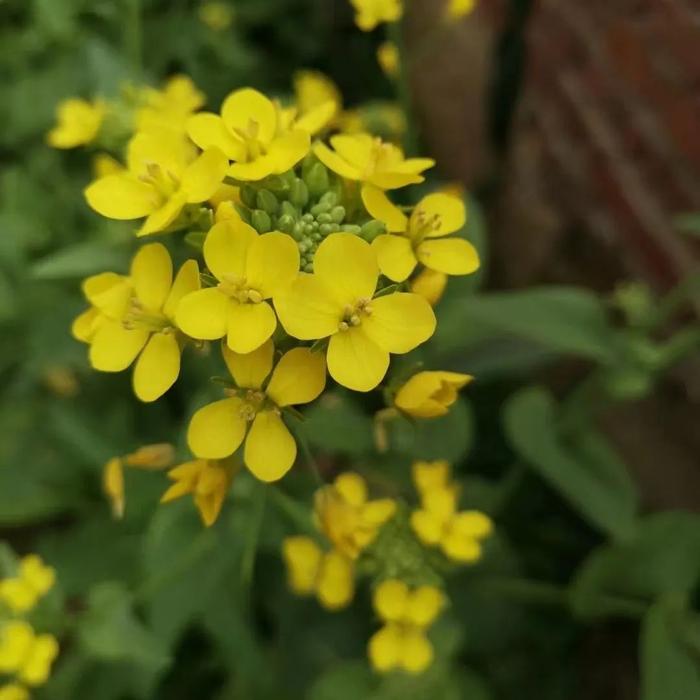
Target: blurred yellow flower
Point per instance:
(13, 691)
(456, 9)
(250, 131)
(402, 642)
(364, 158)
(347, 517)
(78, 123)
(25, 654)
(104, 164)
(313, 89)
(311, 571)
(253, 413)
(216, 15)
(34, 579)
(370, 13)
(250, 269)
(336, 302)
(156, 456)
(170, 107)
(389, 58)
(422, 236)
(430, 284)
(430, 394)
(113, 486)
(163, 175)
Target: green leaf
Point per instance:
(663, 557)
(570, 320)
(670, 667)
(584, 470)
(79, 260)
(345, 681)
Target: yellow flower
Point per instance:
(430, 284)
(78, 123)
(456, 9)
(208, 480)
(421, 238)
(104, 164)
(430, 394)
(250, 132)
(217, 430)
(250, 269)
(311, 571)
(337, 301)
(438, 524)
(34, 579)
(389, 58)
(169, 108)
(135, 319)
(370, 13)
(216, 15)
(314, 90)
(27, 655)
(163, 175)
(368, 159)
(402, 642)
(113, 486)
(346, 517)
(13, 691)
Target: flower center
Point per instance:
(138, 318)
(250, 137)
(354, 313)
(236, 287)
(163, 181)
(423, 225)
(377, 153)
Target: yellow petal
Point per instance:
(394, 180)
(248, 110)
(335, 163)
(355, 361)
(14, 691)
(428, 476)
(318, 118)
(430, 284)
(441, 503)
(380, 207)
(416, 652)
(211, 491)
(254, 170)
(287, 150)
(37, 665)
(201, 179)
(39, 576)
(447, 211)
(109, 292)
(16, 639)
(453, 256)
(208, 130)
(114, 348)
(249, 326)
(186, 281)
(336, 581)
(356, 149)
(465, 550)
(157, 368)
(390, 600)
(347, 266)
(166, 149)
(395, 256)
(430, 394)
(217, 430)
(270, 449)
(399, 322)
(377, 512)
(122, 196)
(307, 310)
(113, 485)
(352, 488)
(251, 369)
(85, 325)
(472, 523)
(19, 597)
(385, 648)
(424, 605)
(152, 275)
(428, 528)
(163, 217)
(203, 314)
(226, 248)
(298, 378)
(303, 559)
(272, 263)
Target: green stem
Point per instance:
(254, 528)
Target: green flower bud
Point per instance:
(324, 218)
(317, 180)
(267, 202)
(286, 223)
(351, 228)
(319, 209)
(372, 229)
(299, 194)
(308, 229)
(325, 229)
(248, 196)
(309, 267)
(243, 212)
(329, 198)
(298, 231)
(195, 239)
(261, 221)
(338, 214)
(288, 209)
(307, 218)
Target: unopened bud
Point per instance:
(157, 456)
(261, 221)
(248, 196)
(288, 209)
(267, 202)
(351, 228)
(299, 194)
(329, 198)
(338, 214)
(324, 218)
(319, 209)
(372, 229)
(285, 223)
(317, 180)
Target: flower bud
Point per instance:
(261, 221)
(248, 196)
(329, 198)
(299, 194)
(286, 223)
(372, 229)
(288, 209)
(338, 214)
(351, 228)
(267, 202)
(317, 180)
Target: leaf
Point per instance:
(584, 471)
(663, 557)
(570, 320)
(668, 670)
(344, 681)
(78, 261)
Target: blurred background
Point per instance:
(575, 127)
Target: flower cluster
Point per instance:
(25, 656)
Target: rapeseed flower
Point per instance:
(421, 238)
(250, 269)
(389, 58)
(370, 13)
(313, 90)
(170, 107)
(34, 579)
(163, 175)
(338, 302)
(430, 394)
(252, 412)
(78, 123)
(456, 9)
(25, 654)
(13, 691)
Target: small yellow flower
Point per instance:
(430, 394)
(368, 159)
(34, 579)
(389, 58)
(250, 269)
(216, 15)
(156, 456)
(134, 318)
(370, 13)
(422, 237)
(438, 524)
(113, 486)
(208, 480)
(25, 654)
(337, 302)
(169, 108)
(314, 90)
(163, 175)
(311, 571)
(430, 284)
(402, 642)
(346, 517)
(13, 691)
(456, 9)
(78, 123)
(253, 413)
(250, 131)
